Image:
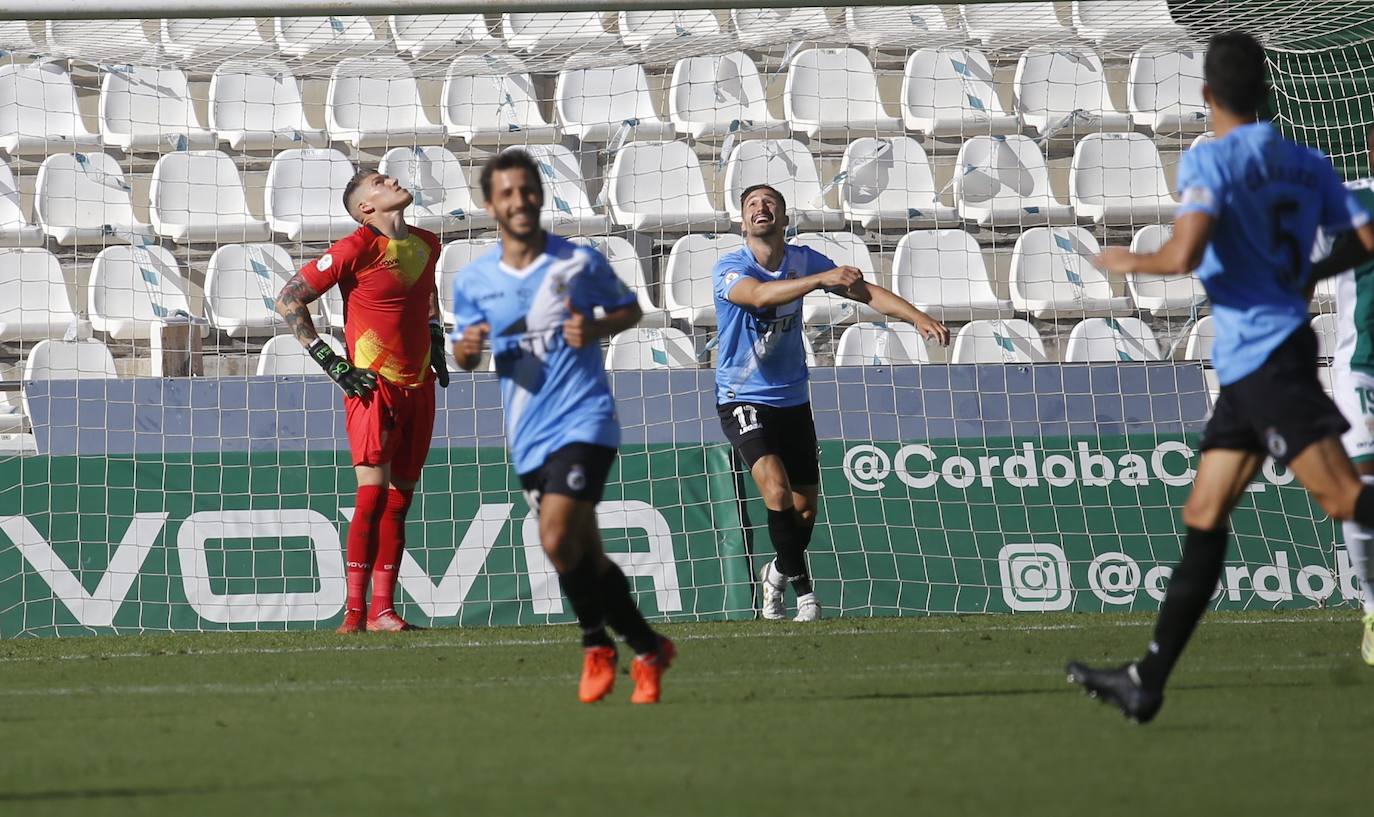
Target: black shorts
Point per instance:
(756, 430)
(578, 470)
(1279, 409)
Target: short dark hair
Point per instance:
(510, 160)
(352, 187)
(770, 188)
(1236, 73)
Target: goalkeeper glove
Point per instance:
(355, 382)
(437, 361)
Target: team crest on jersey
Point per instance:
(731, 277)
(1278, 446)
(326, 261)
(577, 478)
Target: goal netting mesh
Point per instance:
(173, 462)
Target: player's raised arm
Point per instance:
(756, 294)
(599, 286)
(1180, 255)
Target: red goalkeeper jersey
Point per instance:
(386, 285)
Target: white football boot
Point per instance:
(808, 608)
(774, 603)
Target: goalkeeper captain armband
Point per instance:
(355, 382)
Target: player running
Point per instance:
(761, 379)
(394, 331)
(1252, 203)
(535, 296)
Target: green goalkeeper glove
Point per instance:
(355, 382)
(437, 361)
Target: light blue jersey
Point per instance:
(554, 394)
(1267, 197)
(761, 358)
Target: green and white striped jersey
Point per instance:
(1355, 302)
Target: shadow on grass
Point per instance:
(141, 792)
(1066, 689)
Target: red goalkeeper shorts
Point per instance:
(392, 425)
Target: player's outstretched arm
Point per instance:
(895, 306)
(1180, 255)
(579, 330)
(1351, 249)
(757, 294)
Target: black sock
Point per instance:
(581, 586)
(805, 528)
(1364, 507)
(623, 613)
(1190, 590)
(789, 544)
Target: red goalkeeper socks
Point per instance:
(362, 542)
(392, 539)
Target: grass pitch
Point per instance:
(1270, 714)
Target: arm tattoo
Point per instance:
(293, 304)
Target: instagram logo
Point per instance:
(1035, 578)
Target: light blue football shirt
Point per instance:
(554, 395)
(1267, 197)
(760, 357)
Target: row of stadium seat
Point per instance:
(427, 36)
(830, 93)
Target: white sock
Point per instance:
(775, 576)
(1359, 541)
(809, 597)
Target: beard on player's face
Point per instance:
(763, 217)
(516, 205)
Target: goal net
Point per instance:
(172, 460)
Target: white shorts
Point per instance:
(1354, 395)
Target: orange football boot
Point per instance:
(598, 674)
(648, 672)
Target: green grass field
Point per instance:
(1270, 714)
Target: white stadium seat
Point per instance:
(1163, 295)
(60, 360)
(325, 37)
(241, 286)
(944, 274)
(197, 196)
(22, 36)
(1011, 24)
(493, 109)
(596, 104)
(758, 28)
(304, 194)
(436, 180)
(567, 210)
(103, 42)
(949, 92)
(1323, 296)
(133, 289)
(375, 102)
(35, 304)
(149, 110)
(900, 26)
(1053, 277)
(887, 184)
(712, 97)
(1200, 340)
(658, 186)
(284, 355)
(439, 35)
(39, 113)
(1325, 327)
(1063, 92)
(629, 268)
(1118, 178)
(207, 39)
(649, 30)
(82, 198)
(1164, 90)
(1106, 340)
(1113, 23)
(569, 31)
(15, 229)
(881, 344)
(846, 250)
(831, 92)
(452, 258)
(788, 166)
(256, 105)
(1202, 139)
(688, 288)
(1004, 181)
(644, 348)
(1008, 340)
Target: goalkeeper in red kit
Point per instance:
(394, 332)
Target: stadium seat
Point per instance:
(688, 287)
(552, 32)
(1200, 340)
(133, 289)
(332, 308)
(1325, 327)
(1164, 90)
(325, 37)
(787, 165)
(1202, 139)
(1004, 181)
(710, 98)
(900, 26)
(440, 35)
(950, 92)
(197, 196)
(15, 229)
(284, 355)
(1159, 294)
(213, 38)
(831, 92)
(1007, 25)
(1008, 340)
(943, 273)
(846, 250)
(375, 102)
(493, 109)
(567, 210)
(256, 105)
(102, 42)
(62, 360)
(659, 187)
(435, 178)
(241, 286)
(21, 36)
(757, 28)
(629, 268)
(1106, 340)
(82, 198)
(643, 348)
(303, 194)
(1323, 296)
(35, 304)
(1118, 178)
(452, 258)
(649, 30)
(149, 110)
(881, 344)
(1063, 92)
(39, 113)
(1115, 23)
(887, 184)
(1053, 277)
(599, 104)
